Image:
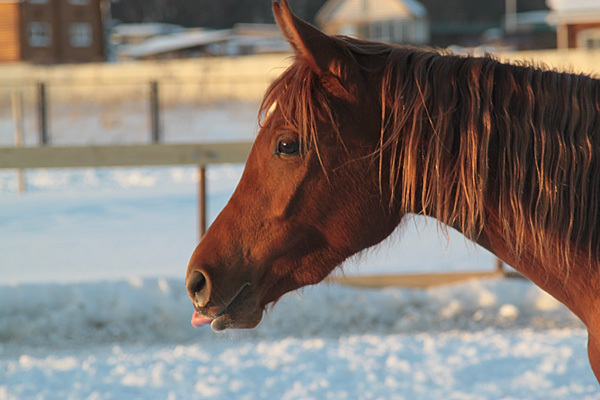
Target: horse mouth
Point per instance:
(234, 314)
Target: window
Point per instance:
(39, 34)
(80, 34)
(593, 43)
(37, 1)
(391, 31)
(79, 2)
(398, 31)
(589, 38)
(380, 31)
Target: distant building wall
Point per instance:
(39, 32)
(10, 38)
(81, 32)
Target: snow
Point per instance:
(355, 366)
(132, 339)
(93, 305)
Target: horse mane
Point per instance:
(463, 134)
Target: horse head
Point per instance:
(310, 195)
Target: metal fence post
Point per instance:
(42, 114)
(500, 266)
(154, 113)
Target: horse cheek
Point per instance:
(288, 193)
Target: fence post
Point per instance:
(154, 113)
(17, 111)
(201, 200)
(42, 114)
(499, 266)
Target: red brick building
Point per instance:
(51, 31)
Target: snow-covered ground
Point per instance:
(92, 301)
(132, 339)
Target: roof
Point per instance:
(176, 41)
(145, 29)
(369, 10)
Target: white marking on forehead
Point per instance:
(271, 109)
(269, 113)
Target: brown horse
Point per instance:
(355, 135)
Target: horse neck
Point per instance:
(577, 287)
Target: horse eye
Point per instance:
(288, 147)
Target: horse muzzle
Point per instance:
(235, 311)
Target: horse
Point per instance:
(356, 135)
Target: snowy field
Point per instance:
(93, 306)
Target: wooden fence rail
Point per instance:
(123, 155)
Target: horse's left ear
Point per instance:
(319, 50)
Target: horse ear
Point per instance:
(313, 46)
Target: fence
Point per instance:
(183, 81)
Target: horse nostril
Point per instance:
(198, 288)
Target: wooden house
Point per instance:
(577, 23)
(392, 21)
(51, 31)
(10, 47)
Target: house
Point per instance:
(577, 23)
(51, 31)
(392, 21)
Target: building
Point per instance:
(577, 23)
(51, 31)
(392, 21)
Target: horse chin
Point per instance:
(239, 320)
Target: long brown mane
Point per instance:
(462, 134)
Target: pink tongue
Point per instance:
(198, 321)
